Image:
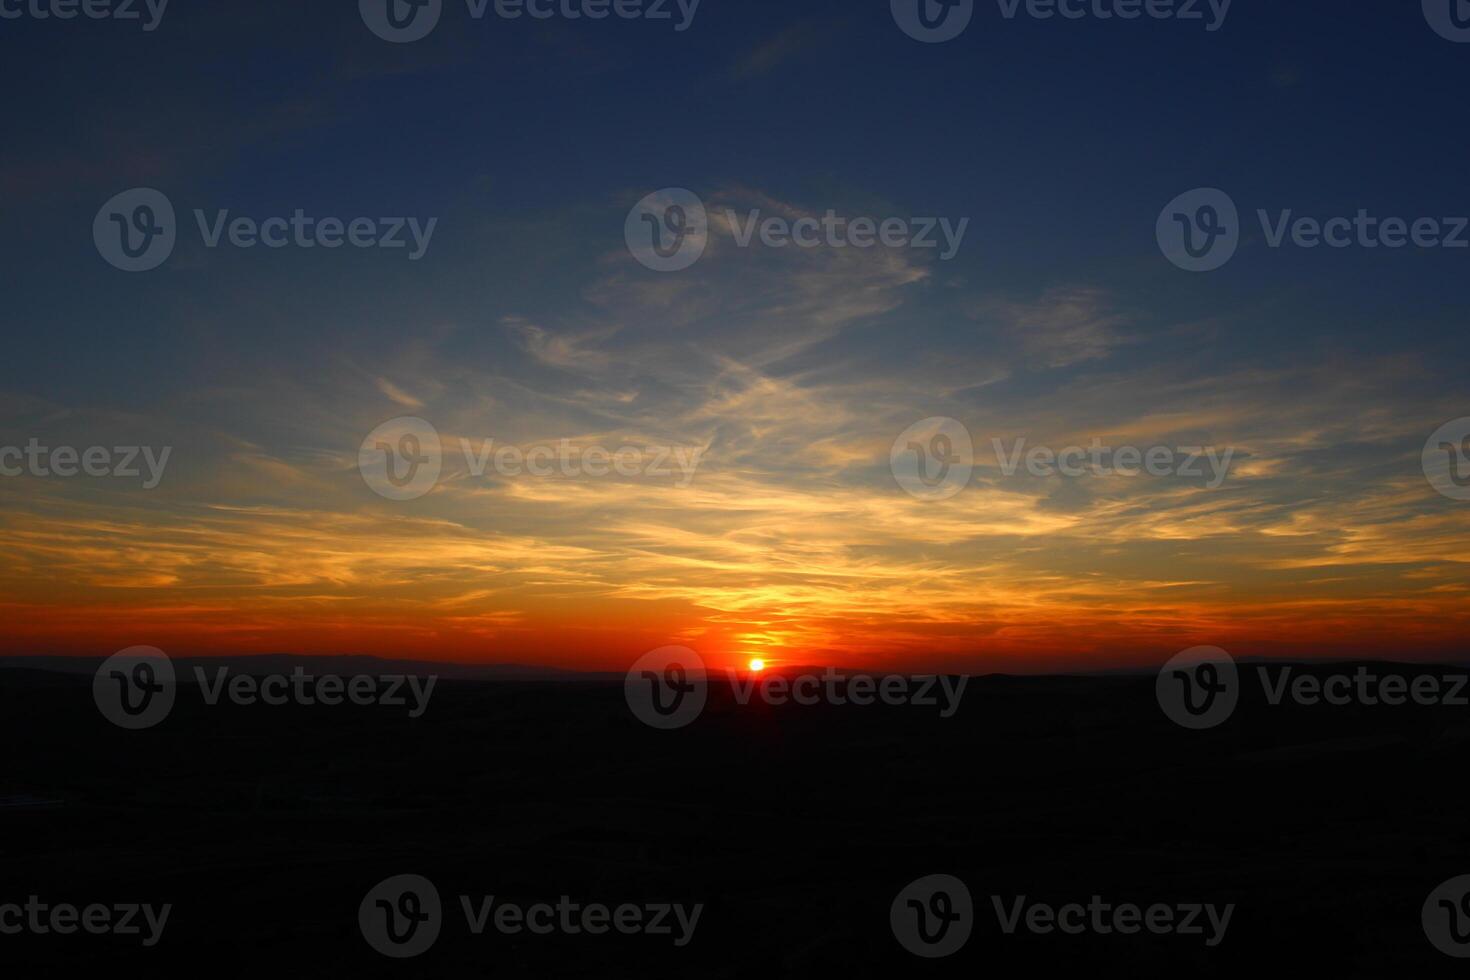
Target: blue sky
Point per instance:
(1059, 319)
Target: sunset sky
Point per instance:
(793, 370)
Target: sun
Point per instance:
(757, 665)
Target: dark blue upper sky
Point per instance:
(1060, 140)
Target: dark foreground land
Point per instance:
(264, 827)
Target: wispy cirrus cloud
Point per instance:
(792, 540)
